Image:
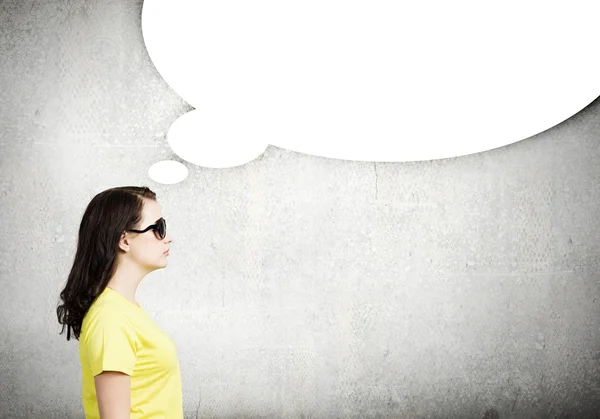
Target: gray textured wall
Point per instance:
(297, 286)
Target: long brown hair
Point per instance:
(106, 217)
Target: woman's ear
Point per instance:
(123, 242)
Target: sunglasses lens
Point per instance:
(162, 228)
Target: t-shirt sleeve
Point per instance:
(111, 344)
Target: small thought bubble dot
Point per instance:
(168, 172)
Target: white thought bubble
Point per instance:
(382, 81)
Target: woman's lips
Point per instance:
(167, 252)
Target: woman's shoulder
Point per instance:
(105, 312)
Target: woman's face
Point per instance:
(146, 248)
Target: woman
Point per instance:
(130, 367)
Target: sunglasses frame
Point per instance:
(155, 228)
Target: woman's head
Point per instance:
(106, 242)
(144, 245)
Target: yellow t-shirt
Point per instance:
(117, 335)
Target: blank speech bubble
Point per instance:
(369, 80)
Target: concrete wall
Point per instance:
(297, 286)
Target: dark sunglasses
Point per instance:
(160, 229)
